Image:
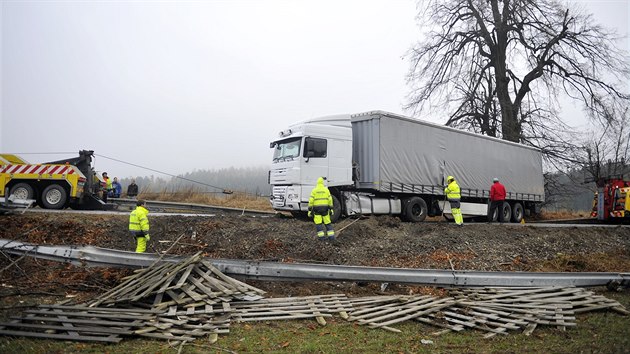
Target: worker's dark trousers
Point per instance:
(329, 231)
(493, 206)
(323, 223)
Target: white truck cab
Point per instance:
(308, 150)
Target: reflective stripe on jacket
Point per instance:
(138, 221)
(320, 195)
(452, 191)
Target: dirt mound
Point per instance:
(375, 241)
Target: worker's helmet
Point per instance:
(450, 178)
(495, 179)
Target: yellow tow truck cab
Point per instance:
(53, 185)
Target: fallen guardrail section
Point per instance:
(95, 256)
(191, 299)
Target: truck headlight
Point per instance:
(292, 196)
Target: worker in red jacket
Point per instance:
(497, 198)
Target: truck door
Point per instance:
(315, 160)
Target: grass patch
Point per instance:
(562, 214)
(604, 332)
(194, 196)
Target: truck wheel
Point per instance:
(336, 209)
(517, 212)
(507, 212)
(54, 197)
(22, 191)
(415, 210)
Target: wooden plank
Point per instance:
(516, 293)
(483, 320)
(529, 329)
(168, 337)
(189, 290)
(167, 283)
(388, 308)
(137, 281)
(279, 317)
(233, 281)
(560, 319)
(81, 321)
(400, 309)
(81, 338)
(294, 305)
(99, 309)
(434, 307)
(91, 329)
(446, 326)
(206, 290)
(184, 276)
(91, 315)
(279, 312)
(157, 280)
(67, 325)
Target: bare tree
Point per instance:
(607, 153)
(498, 67)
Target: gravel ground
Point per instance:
(374, 241)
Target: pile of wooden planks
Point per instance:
(190, 283)
(491, 310)
(173, 301)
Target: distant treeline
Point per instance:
(248, 180)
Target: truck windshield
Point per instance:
(287, 149)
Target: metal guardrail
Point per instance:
(95, 256)
(156, 204)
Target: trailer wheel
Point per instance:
(54, 197)
(336, 209)
(415, 210)
(507, 212)
(517, 212)
(22, 191)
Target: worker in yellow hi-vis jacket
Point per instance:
(139, 225)
(453, 195)
(320, 207)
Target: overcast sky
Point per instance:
(179, 86)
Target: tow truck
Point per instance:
(611, 202)
(53, 185)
